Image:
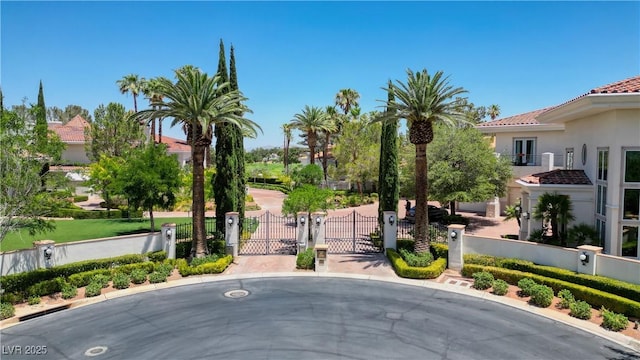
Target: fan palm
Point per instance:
(133, 84)
(494, 111)
(198, 101)
(423, 100)
(557, 210)
(311, 121)
(330, 129)
(151, 90)
(347, 99)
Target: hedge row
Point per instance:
(432, 271)
(612, 286)
(80, 214)
(207, 268)
(594, 297)
(439, 250)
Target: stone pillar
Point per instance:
(493, 208)
(390, 231)
(317, 226)
(587, 258)
(232, 232)
(45, 253)
(322, 264)
(455, 234)
(303, 231)
(168, 232)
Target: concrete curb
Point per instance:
(193, 280)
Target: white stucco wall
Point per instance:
(546, 141)
(75, 154)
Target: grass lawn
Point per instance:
(76, 230)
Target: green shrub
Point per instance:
(164, 268)
(46, 287)
(613, 321)
(138, 276)
(525, 286)
(439, 250)
(84, 278)
(183, 249)
(432, 271)
(34, 300)
(93, 289)
(147, 266)
(566, 299)
(157, 277)
(485, 260)
(541, 295)
(416, 260)
(500, 287)
(102, 279)
(305, 260)
(205, 259)
(6, 310)
(206, 268)
(12, 298)
(79, 198)
(121, 280)
(580, 309)
(482, 280)
(157, 256)
(69, 291)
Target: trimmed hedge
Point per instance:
(80, 214)
(207, 268)
(594, 297)
(85, 278)
(439, 250)
(432, 271)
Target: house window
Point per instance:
(630, 241)
(569, 159)
(524, 151)
(601, 194)
(603, 163)
(632, 166)
(630, 202)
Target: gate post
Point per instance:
(455, 234)
(318, 220)
(45, 253)
(303, 231)
(390, 231)
(169, 236)
(232, 232)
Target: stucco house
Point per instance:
(587, 148)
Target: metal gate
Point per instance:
(351, 234)
(268, 234)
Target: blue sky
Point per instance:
(520, 55)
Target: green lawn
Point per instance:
(75, 230)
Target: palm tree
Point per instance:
(556, 209)
(286, 128)
(151, 91)
(311, 121)
(347, 99)
(424, 100)
(198, 101)
(133, 84)
(494, 111)
(331, 128)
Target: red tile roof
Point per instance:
(559, 177)
(71, 132)
(629, 85)
(520, 119)
(175, 145)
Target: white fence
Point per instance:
(30, 259)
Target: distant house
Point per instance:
(73, 135)
(587, 148)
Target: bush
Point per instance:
(205, 259)
(580, 309)
(34, 300)
(566, 299)
(157, 256)
(102, 279)
(305, 260)
(401, 268)
(79, 198)
(157, 277)
(613, 321)
(46, 287)
(84, 278)
(165, 269)
(206, 268)
(93, 289)
(12, 298)
(6, 310)
(138, 276)
(69, 291)
(500, 287)
(541, 295)
(121, 280)
(525, 286)
(482, 280)
(417, 260)
(485, 260)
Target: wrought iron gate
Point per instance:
(268, 234)
(351, 234)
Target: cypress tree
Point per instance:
(224, 183)
(238, 145)
(388, 176)
(41, 120)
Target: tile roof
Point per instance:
(175, 145)
(71, 132)
(528, 118)
(629, 85)
(558, 177)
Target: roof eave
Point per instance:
(519, 128)
(555, 186)
(590, 105)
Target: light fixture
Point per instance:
(525, 215)
(48, 252)
(302, 220)
(318, 220)
(169, 233)
(230, 221)
(391, 219)
(453, 235)
(584, 258)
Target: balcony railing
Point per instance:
(533, 160)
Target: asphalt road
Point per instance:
(302, 318)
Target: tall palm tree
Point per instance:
(286, 128)
(151, 91)
(198, 101)
(331, 128)
(347, 99)
(311, 121)
(133, 84)
(557, 210)
(423, 100)
(494, 111)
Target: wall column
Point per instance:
(390, 231)
(232, 233)
(168, 232)
(45, 253)
(455, 234)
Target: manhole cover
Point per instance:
(95, 351)
(235, 294)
